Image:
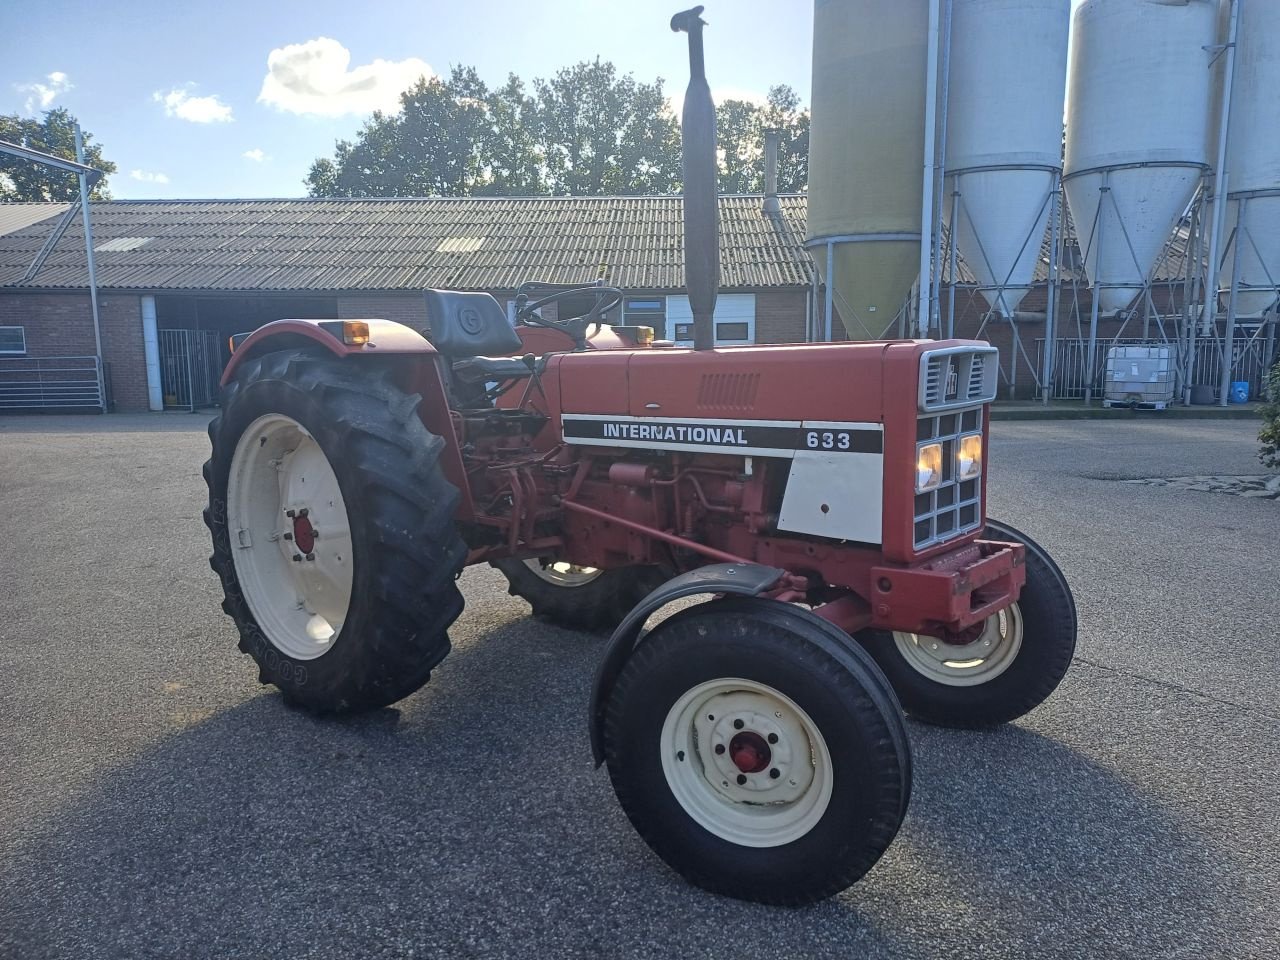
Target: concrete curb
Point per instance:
(1033, 411)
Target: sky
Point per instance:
(237, 99)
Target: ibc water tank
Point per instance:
(866, 146)
(1253, 160)
(1137, 121)
(1004, 136)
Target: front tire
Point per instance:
(758, 752)
(580, 598)
(333, 531)
(1006, 669)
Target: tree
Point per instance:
(431, 147)
(584, 131)
(740, 127)
(602, 134)
(25, 181)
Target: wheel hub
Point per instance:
(283, 494)
(974, 656)
(749, 752)
(746, 762)
(304, 534)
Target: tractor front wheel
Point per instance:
(758, 752)
(333, 531)
(580, 598)
(1001, 669)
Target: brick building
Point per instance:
(176, 278)
(187, 274)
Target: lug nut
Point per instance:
(773, 738)
(288, 536)
(297, 557)
(311, 556)
(680, 755)
(738, 724)
(303, 512)
(719, 748)
(775, 773)
(290, 514)
(742, 778)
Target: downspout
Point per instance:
(151, 351)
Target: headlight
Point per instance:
(969, 456)
(928, 467)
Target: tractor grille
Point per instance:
(954, 377)
(955, 508)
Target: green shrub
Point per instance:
(1270, 432)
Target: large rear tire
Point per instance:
(333, 531)
(580, 598)
(1007, 668)
(758, 751)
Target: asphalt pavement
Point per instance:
(156, 801)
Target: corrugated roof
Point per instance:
(408, 244)
(16, 216)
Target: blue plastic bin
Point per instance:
(1239, 391)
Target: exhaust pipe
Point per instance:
(698, 165)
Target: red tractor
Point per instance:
(825, 502)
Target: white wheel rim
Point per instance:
(981, 660)
(720, 719)
(562, 573)
(280, 483)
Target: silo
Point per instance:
(1137, 123)
(865, 149)
(1004, 137)
(1253, 163)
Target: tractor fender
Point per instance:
(385, 337)
(741, 579)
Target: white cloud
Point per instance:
(256, 155)
(181, 104)
(147, 176)
(41, 94)
(719, 96)
(316, 77)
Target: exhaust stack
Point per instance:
(701, 232)
(772, 205)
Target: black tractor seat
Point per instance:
(497, 369)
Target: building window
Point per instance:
(13, 340)
(646, 312)
(735, 319)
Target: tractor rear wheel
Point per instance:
(1003, 669)
(333, 531)
(580, 598)
(758, 751)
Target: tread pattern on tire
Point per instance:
(401, 511)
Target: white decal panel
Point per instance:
(835, 494)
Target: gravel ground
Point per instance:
(157, 802)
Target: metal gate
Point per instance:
(38, 383)
(190, 367)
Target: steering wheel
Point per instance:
(606, 298)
